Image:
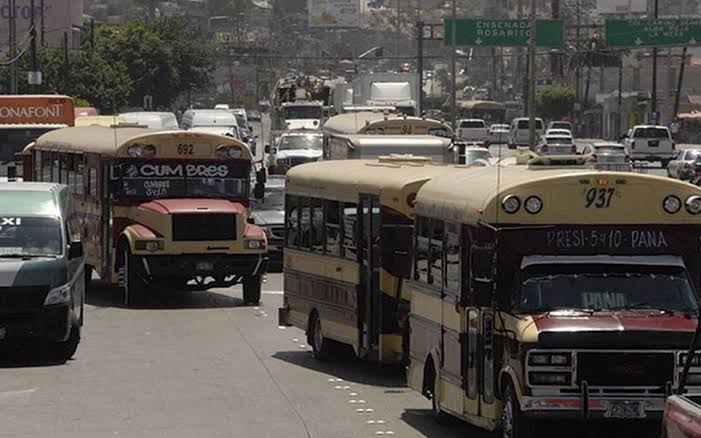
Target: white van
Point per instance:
(519, 131)
(154, 120)
(209, 118)
(650, 143)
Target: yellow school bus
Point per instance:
(541, 293)
(347, 252)
(161, 208)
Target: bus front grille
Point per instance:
(625, 369)
(22, 297)
(204, 227)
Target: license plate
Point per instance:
(3, 332)
(624, 410)
(653, 144)
(204, 266)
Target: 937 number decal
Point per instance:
(599, 198)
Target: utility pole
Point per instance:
(619, 120)
(42, 24)
(398, 35)
(532, 75)
(34, 80)
(13, 46)
(66, 66)
(555, 57)
(420, 62)
(578, 46)
(680, 84)
(653, 103)
(453, 65)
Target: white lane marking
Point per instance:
(9, 394)
(353, 394)
(274, 292)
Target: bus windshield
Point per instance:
(302, 112)
(154, 179)
(30, 236)
(604, 288)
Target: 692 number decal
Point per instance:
(599, 198)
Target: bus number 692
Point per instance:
(600, 198)
(185, 149)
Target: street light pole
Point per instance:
(532, 75)
(13, 46)
(453, 66)
(653, 103)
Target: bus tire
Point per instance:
(438, 414)
(513, 423)
(321, 346)
(64, 351)
(132, 285)
(251, 289)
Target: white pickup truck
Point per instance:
(472, 130)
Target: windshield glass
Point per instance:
(302, 112)
(604, 287)
(651, 133)
(610, 150)
(156, 179)
(474, 124)
(30, 236)
(561, 125)
(558, 140)
(524, 124)
(291, 142)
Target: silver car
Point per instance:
(609, 156)
(686, 165)
(556, 145)
(498, 134)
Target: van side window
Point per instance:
(350, 230)
(421, 249)
(332, 218)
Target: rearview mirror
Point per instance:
(267, 148)
(75, 250)
(259, 191)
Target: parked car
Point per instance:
(560, 124)
(556, 145)
(650, 143)
(519, 131)
(472, 130)
(609, 156)
(498, 134)
(293, 148)
(269, 214)
(686, 165)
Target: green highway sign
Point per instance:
(653, 33)
(502, 33)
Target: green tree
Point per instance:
(556, 102)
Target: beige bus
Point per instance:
(379, 123)
(343, 147)
(161, 208)
(347, 252)
(541, 293)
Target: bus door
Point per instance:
(370, 313)
(479, 363)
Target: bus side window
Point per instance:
(93, 182)
(55, 167)
(46, 167)
(79, 178)
(452, 259)
(65, 160)
(317, 233)
(421, 250)
(292, 221)
(333, 228)
(436, 275)
(350, 231)
(305, 224)
(37, 165)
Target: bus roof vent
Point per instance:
(404, 158)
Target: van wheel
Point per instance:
(321, 346)
(132, 285)
(65, 350)
(513, 423)
(251, 289)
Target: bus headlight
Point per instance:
(693, 204)
(254, 244)
(511, 204)
(149, 245)
(533, 205)
(139, 151)
(59, 295)
(672, 204)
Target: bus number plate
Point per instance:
(186, 149)
(600, 197)
(624, 409)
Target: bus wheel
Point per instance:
(321, 347)
(438, 414)
(251, 289)
(131, 283)
(513, 423)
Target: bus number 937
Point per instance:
(599, 198)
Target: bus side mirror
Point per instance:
(259, 191)
(75, 250)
